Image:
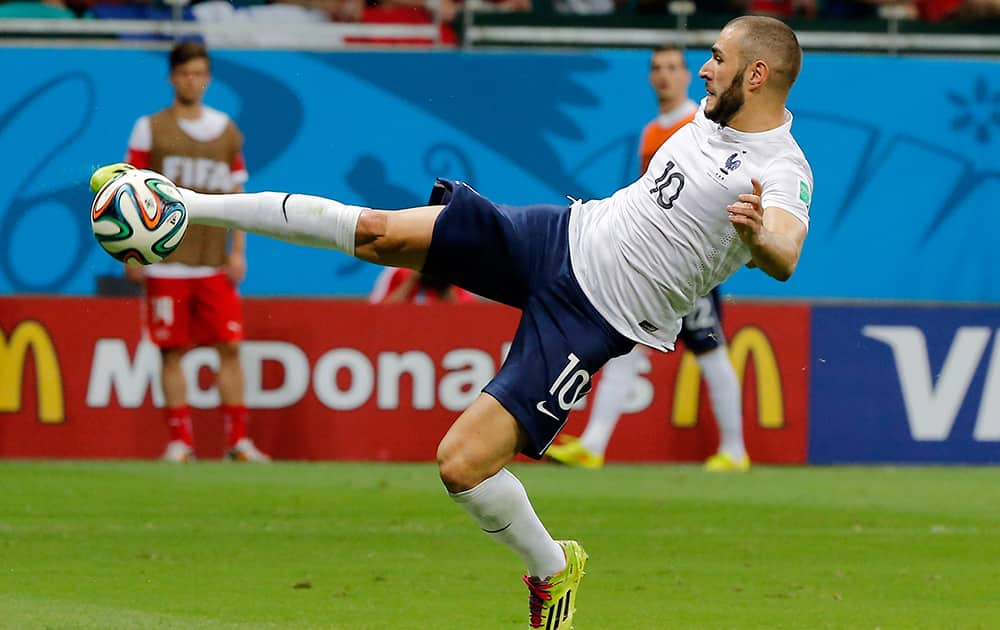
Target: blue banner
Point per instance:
(914, 385)
(903, 166)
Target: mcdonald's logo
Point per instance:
(48, 376)
(749, 343)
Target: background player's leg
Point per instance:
(175, 408)
(617, 378)
(609, 399)
(471, 459)
(235, 421)
(230, 381)
(167, 317)
(397, 238)
(724, 391)
(701, 332)
(174, 385)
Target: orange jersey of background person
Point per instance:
(656, 132)
(670, 78)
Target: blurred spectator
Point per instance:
(346, 10)
(585, 7)
(941, 10)
(512, 6)
(277, 14)
(410, 12)
(396, 286)
(784, 8)
(426, 8)
(849, 9)
(43, 9)
(424, 12)
(926, 10)
(336, 10)
(975, 9)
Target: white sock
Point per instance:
(501, 508)
(299, 219)
(617, 377)
(724, 390)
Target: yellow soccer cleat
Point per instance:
(105, 174)
(572, 453)
(552, 602)
(724, 462)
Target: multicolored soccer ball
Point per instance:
(139, 217)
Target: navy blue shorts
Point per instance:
(701, 329)
(519, 255)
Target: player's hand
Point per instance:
(747, 216)
(236, 268)
(136, 274)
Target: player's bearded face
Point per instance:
(729, 102)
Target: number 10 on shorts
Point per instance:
(570, 384)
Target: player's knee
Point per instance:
(456, 470)
(229, 351)
(371, 240)
(171, 356)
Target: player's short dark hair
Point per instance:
(669, 48)
(773, 41)
(183, 52)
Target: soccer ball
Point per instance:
(139, 217)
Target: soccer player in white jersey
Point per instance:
(701, 329)
(591, 279)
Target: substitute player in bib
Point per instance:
(592, 279)
(701, 329)
(192, 298)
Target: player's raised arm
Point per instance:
(773, 235)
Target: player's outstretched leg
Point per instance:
(398, 238)
(471, 459)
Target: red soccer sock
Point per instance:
(234, 418)
(179, 424)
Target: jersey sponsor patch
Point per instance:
(804, 195)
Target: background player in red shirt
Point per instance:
(192, 299)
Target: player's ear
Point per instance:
(759, 72)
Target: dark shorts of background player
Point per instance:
(519, 255)
(701, 329)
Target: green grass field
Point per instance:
(366, 546)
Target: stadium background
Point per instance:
(882, 348)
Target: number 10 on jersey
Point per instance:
(668, 186)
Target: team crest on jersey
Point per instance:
(732, 163)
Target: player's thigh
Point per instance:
(216, 312)
(701, 329)
(484, 439)
(396, 238)
(168, 311)
(561, 342)
(497, 251)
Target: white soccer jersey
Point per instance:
(645, 254)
